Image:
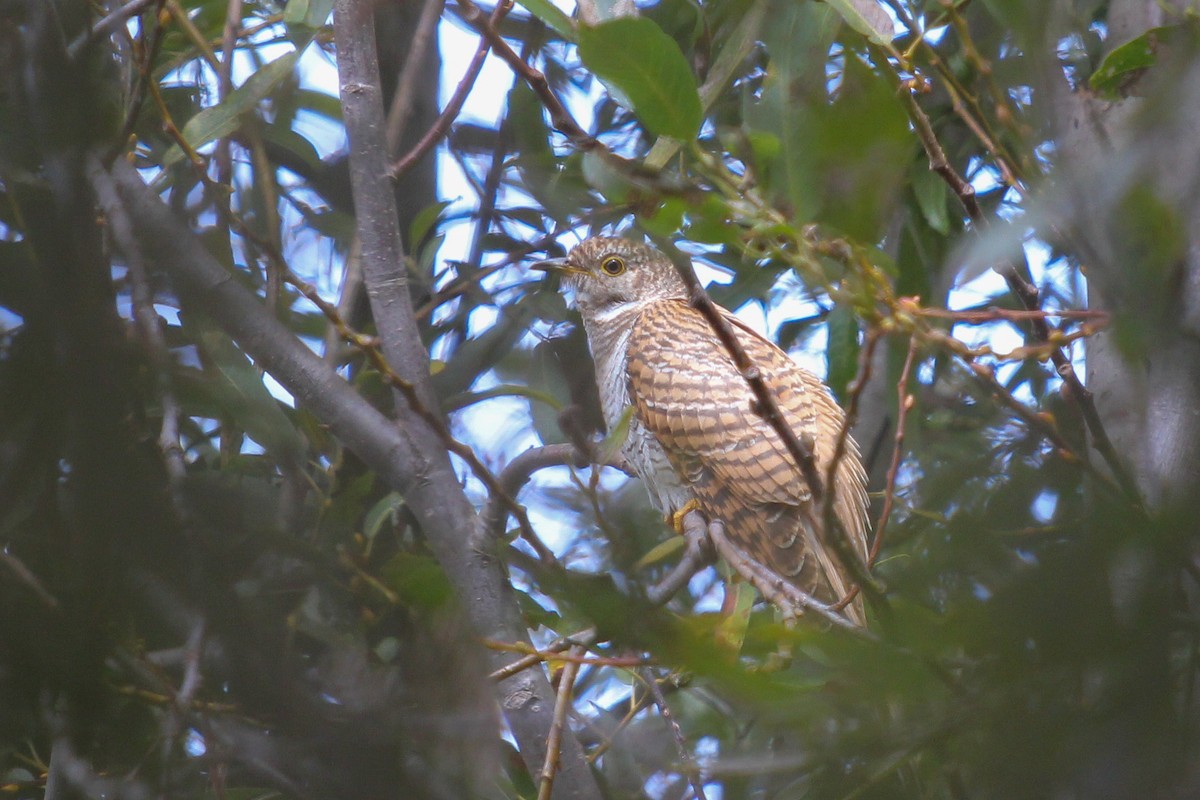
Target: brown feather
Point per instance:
(686, 390)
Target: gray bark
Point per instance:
(1149, 399)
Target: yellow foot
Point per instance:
(675, 519)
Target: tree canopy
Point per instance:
(304, 488)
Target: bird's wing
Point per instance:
(686, 390)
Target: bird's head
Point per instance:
(606, 272)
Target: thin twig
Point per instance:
(416, 61)
(905, 404)
(866, 358)
(987, 315)
(560, 118)
(25, 575)
(689, 764)
(109, 25)
(697, 555)
(552, 655)
(450, 113)
(562, 704)
(145, 82)
(582, 639)
(369, 347)
(1027, 294)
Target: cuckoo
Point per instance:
(695, 436)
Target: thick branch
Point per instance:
(424, 477)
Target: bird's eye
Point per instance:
(613, 265)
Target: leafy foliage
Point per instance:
(205, 592)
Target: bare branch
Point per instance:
(559, 116)
(562, 704)
(1026, 292)
(402, 99)
(453, 106)
(904, 403)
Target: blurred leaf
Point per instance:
(224, 118)
(243, 395)
(661, 552)
(734, 51)
(547, 378)
(553, 16)
(932, 196)
(425, 221)
(732, 631)
(292, 142)
(602, 177)
(842, 354)
(381, 513)
(418, 580)
(1125, 62)
(867, 17)
(308, 13)
(647, 65)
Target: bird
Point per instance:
(696, 436)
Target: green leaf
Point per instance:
(867, 17)
(309, 13)
(602, 177)
(224, 118)
(647, 65)
(380, 513)
(294, 143)
(425, 220)
(734, 51)
(842, 353)
(546, 376)
(661, 552)
(553, 16)
(242, 394)
(1127, 61)
(731, 631)
(930, 191)
(418, 580)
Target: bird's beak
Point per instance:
(559, 265)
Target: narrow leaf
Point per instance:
(224, 118)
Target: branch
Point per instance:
(560, 118)
(790, 599)
(418, 49)
(517, 474)
(905, 403)
(697, 555)
(1027, 293)
(562, 704)
(399, 454)
(453, 107)
(689, 764)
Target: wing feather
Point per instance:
(688, 393)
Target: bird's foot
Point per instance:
(675, 518)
